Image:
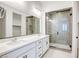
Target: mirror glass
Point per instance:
(2, 22)
(31, 23)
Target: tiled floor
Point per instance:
(57, 53)
(61, 46)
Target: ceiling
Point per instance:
(41, 5)
(55, 5)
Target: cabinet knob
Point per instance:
(25, 56)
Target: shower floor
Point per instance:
(62, 46)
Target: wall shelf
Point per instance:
(17, 25)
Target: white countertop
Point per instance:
(10, 45)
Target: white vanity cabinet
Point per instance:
(34, 49)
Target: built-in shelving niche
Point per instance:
(16, 24)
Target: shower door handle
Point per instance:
(77, 37)
(57, 33)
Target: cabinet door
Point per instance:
(30, 54)
(45, 44)
(39, 48)
(39, 51)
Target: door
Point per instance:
(62, 32)
(58, 27)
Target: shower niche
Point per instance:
(16, 24)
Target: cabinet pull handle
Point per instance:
(25, 56)
(39, 47)
(77, 37)
(57, 33)
(40, 55)
(39, 41)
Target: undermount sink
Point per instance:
(12, 43)
(15, 42)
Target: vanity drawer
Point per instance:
(19, 51)
(39, 48)
(29, 54)
(45, 44)
(39, 42)
(39, 55)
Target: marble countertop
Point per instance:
(8, 45)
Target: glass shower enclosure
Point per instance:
(58, 27)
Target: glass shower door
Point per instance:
(62, 32)
(58, 29)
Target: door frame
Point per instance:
(78, 42)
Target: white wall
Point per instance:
(24, 9)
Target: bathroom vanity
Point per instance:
(31, 46)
